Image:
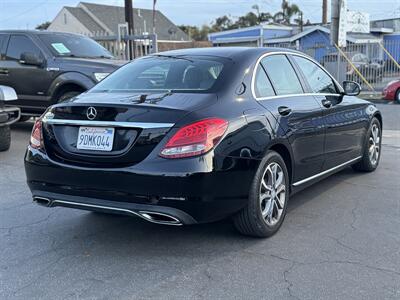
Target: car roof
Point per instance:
(13, 31)
(226, 52)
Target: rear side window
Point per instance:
(282, 75)
(319, 81)
(19, 44)
(262, 85)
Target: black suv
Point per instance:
(45, 68)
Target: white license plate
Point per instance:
(95, 138)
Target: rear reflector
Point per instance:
(36, 140)
(195, 139)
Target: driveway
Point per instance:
(340, 240)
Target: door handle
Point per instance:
(284, 110)
(3, 71)
(327, 103)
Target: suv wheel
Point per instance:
(5, 138)
(68, 95)
(268, 197)
(24, 118)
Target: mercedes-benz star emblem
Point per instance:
(91, 113)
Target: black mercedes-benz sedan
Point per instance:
(194, 136)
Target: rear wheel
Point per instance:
(372, 149)
(268, 197)
(397, 97)
(24, 118)
(5, 138)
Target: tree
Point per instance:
(196, 33)
(288, 12)
(261, 16)
(222, 23)
(43, 26)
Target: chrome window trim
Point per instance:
(289, 95)
(108, 124)
(296, 95)
(325, 172)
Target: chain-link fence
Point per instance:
(126, 47)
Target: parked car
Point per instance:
(224, 132)
(8, 116)
(45, 68)
(392, 91)
(371, 70)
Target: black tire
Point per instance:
(68, 95)
(5, 138)
(250, 220)
(367, 163)
(397, 97)
(24, 119)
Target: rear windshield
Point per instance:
(74, 46)
(163, 73)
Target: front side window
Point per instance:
(262, 85)
(282, 75)
(164, 73)
(19, 44)
(319, 81)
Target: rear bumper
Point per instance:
(205, 193)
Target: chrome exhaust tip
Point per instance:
(159, 218)
(42, 201)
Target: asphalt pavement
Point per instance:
(340, 240)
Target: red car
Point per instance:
(392, 91)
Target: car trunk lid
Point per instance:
(138, 123)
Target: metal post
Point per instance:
(131, 28)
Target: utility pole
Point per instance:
(301, 21)
(324, 12)
(335, 15)
(131, 28)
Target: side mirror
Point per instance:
(351, 88)
(7, 93)
(28, 58)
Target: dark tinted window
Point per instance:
(2, 41)
(19, 44)
(262, 85)
(163, 73)
(74, 45)
(282, 75)
(319, 81)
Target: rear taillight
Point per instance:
(36, 140)
(195, 139)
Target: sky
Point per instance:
(26, 14)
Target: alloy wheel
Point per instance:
(273, 194)
(374, 144)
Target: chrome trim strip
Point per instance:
(117, 209)
(325, 172)
(294, 95)
(108, 124)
